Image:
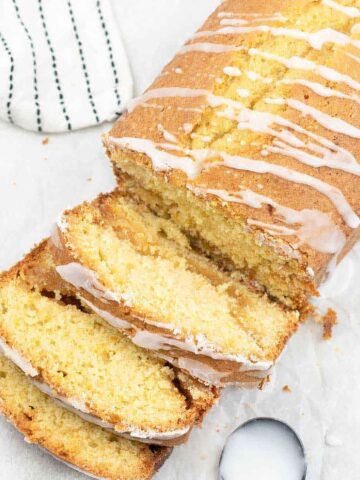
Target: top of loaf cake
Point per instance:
(259, 115)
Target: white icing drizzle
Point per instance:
(79, 408)
(203, 138)
(256, 121)
(18, 359)
(152, 105)
(75, 404)
(319, 89)
(189, 109)
(161, 160)
(295, 62)
(332, 193)
(336, 157)
(351, 12)
(157, 341)
(115, 322)
(81, 277)
(332, 155)
(315, 39)
(198, 370)
(169, 137)
(188, 127)
(254, 76)
(315, 87)
(351, 55)
(253, 16)
(207, 47)
(317, 229)
(163, 93)
(211, 376)
(252, 20)
(331, 123)
(241, 163)
(298, 63)
(232, 71)
(243, 92)
(273, 228)
(275, 101)
(197, 345)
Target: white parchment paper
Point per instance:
(38, 181)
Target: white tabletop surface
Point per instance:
(38, 181)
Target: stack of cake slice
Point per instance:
(89, 367)
(139, 273)
(81, 389)
(238, 188)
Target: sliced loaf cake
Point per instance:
(74, 356)
(82, 445)
(249, 140)
(140, 274)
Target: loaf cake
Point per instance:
(249, 141)
(82, 445)
(89, 367)
(138, 271)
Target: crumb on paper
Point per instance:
(45, 140)
(329, 321)
(332, 440)
(310, 312)
(89, 179)
(286, 389)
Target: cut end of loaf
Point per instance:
(142, 269)
(90, 365)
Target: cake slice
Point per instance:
(249, 141)
(82, 445)
(92, 369)
(139, 272)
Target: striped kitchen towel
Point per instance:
(62, 64)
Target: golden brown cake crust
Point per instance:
(200, 70)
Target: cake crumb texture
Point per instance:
(148, 261)
(68, 437)
(85, 360)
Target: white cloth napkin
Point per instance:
(62, 64)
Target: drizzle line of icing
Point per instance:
(315, 39)
(162, 160)
(351, 12)
(317, 229)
